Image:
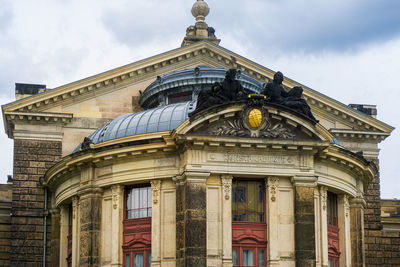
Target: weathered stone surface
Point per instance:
(31, 160)
(90, 221)
(191, 225)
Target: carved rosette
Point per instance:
(227, 185)
(273, 183)
(155, 189)
(323, 191)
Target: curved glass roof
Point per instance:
(188, 80)
(165, 118)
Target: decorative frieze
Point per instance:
(251, 158)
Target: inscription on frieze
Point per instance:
(256, 159)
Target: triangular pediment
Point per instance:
(143, 72)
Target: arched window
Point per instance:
(249, 229)
(137, 227)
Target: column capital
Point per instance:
(357, 202)
(304, 181)
(196, 177)
(54, 212)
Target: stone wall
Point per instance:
(31, 160)
(5, 226)
(382, 248)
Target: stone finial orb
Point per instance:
(200, 10)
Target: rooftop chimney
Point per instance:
(23, 90)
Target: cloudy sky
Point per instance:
(346, 49)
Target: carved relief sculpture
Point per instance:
(323, 192)
(227, 185)
(155, 188)
(273, 183)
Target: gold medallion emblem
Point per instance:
(255, 118)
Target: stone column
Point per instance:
(90, 201)
(323, 190)
(317, 201)
(226, 181)
(64, 216)
(116, 224)
(357, 231)
(75, 231)
(344, 230)
(191, 220)
(304, 220)
(155, 224)
(53, 240)
(273, 221)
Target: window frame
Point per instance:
(127, 190)
(259, 182)
(181, 97)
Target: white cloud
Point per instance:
(56, 42)
(6, 144)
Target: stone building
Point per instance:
(121, 169)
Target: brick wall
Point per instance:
(31, 160)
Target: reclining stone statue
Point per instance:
(228, 90)
(276, 94)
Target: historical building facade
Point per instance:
(176, 161)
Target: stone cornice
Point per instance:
(208, 51)
(14, 117)
(349, 161)
(357, 135)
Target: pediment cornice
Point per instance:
(203, 52)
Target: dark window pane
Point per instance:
(261, 258)
(247, 258)
(234, 257)
(138, 260)
(127, 260)
(138, 203)
(248, 201)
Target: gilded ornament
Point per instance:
(255, 118)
